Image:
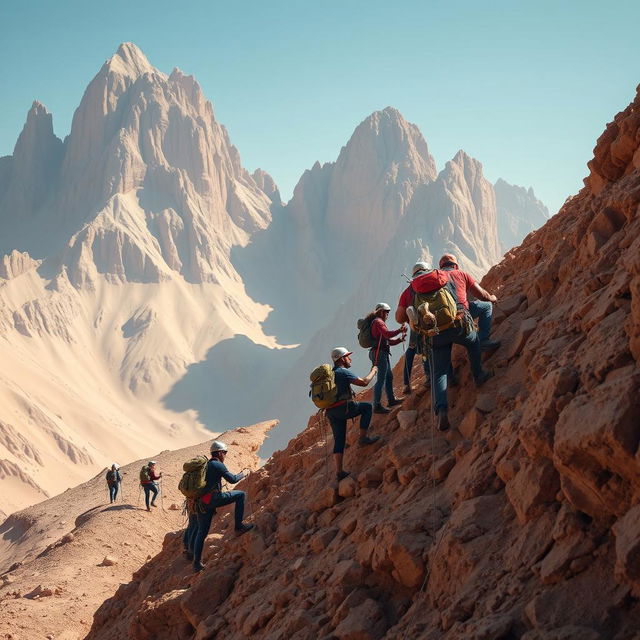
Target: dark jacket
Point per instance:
(216, 471)
(113, 480)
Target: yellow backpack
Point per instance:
(324, 391)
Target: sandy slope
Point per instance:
(62, 542)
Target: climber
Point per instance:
(462, 332)
(481, 309)
(416, 343)
(149, 481)
(113, 482)
(346, 407)
(380, 355)
(213, 497)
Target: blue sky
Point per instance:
(525, 87)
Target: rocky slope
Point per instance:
(522, 522)
(116, 275)
(53, 572)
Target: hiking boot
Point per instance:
(489, 345)
(244, 528)
(395, 401)
(148, 508)
(198, 566)
(442, 420)
(483, 377)
(407, 390)
(341, 475)
(153, 504)
(378, 408)
(364, 440)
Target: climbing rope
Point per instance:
(437, 541)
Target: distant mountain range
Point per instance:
(149, 283)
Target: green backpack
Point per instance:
(145, 475)
(442, 305)
(365, 339)
(323, 392)
(193, 481)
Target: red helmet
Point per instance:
(448, 257)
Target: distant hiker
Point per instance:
(454, 325)
(380, 355)
(416, 344)
(213, 497)
(114, 479)
(149, 481)
(345, 407)
(481, 309)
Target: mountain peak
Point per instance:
(128, 60)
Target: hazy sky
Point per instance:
(525, 87)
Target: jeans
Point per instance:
(113, 491)
(204, 519)
(483, 311)
(150, 487)
(442, 344)
(188, 539)
(338, 417)
(408, 364)
(384, 377)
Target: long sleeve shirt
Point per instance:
(216, 471)
(380, 332)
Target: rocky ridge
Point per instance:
(62, 557)
(522, 522)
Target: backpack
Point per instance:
(438, 291)
(145, 475)
(365, 339)
(324, 391)
(193, 481)
(112, 477)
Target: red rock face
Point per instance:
(522, 524)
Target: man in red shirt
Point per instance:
(480, 309)
(380, 355)
(442, 343)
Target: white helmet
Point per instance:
(382, 306)
(420, 266)
(216, 445)
(340, 352)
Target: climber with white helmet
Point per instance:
(213, 496)
(416, 344)
(380, 355)
(345, 407)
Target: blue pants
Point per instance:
(410, 354)
(442, 344)
(483, 311)
(113, 491)
(204, 519)
(151, 487)
(338, 417)
(384, 377)
(189, 536)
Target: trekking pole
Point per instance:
(121, 491)
(161, 495)
(139, 492)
